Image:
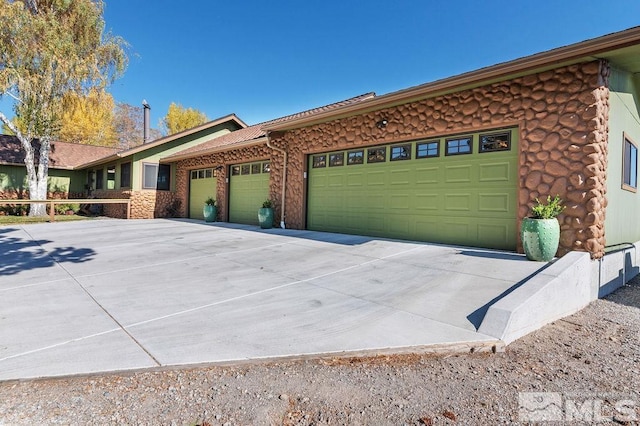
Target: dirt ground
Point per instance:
(582, 368)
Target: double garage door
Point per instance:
(248, 189)
(456, 190)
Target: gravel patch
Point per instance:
(590, 359)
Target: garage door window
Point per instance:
(203, 173)
(355, 157)
(336, 159)
(319, 161)
(458, 146)
(401, 152)
(377, 155)
(427, 149)
(266, 167)
(495, 142)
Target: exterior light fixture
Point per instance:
(382, 123)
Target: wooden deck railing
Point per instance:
(52, 203)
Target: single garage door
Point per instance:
(202, 185)
(248, 189)
(459, 189)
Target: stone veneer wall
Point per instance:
(562, 115)
(225, 159)
(145, 204)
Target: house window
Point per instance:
(319, 161)
(458, 146)
(495, 142)
(377, 155)
(111, 177)
(630, 165)
(164, 177)
(99, 179)
(355, 157)
(336, 159)
(125, 175)
(427, 149)
(158, 176)
(401, 152)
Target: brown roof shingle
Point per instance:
(63, 155)
(255, 132)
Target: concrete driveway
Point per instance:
(110, 295)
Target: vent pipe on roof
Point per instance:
(147, 113)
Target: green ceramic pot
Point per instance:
(540, 238)
(265, 218)
(209, 212)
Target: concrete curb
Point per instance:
(560, 290)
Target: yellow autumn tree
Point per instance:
(179, 118)
(88, 119)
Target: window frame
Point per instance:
(112, 171)
(336, 159)
(373, 158)
(405, 147)
(167, 169)
(435, 142)
(125, 179)
(481, 149)
(100, 178)
(319, 161)
(629, 164)
(357, 154)
(458, 139)
(145, 185)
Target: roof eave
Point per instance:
(562, 56)
(102, 160)
(243, 144)
(175, 136)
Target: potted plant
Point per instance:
(209, 211)
(265, 215)
(540, 233)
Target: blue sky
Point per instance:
(265, 59)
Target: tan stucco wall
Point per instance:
(562, 115)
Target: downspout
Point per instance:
(284, 179)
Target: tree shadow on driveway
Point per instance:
(18, 254)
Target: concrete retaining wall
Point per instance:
(563, 288)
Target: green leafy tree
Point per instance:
(179, 118)
(47, 49)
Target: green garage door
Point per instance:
(248, 189)
(456, 190)
(201, 186)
